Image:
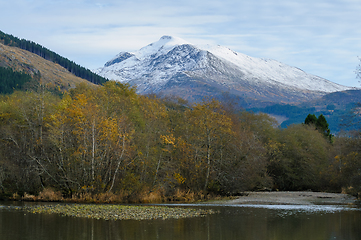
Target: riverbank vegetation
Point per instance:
(108, 144)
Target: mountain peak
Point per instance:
(171, 65)
(172, 40)
(162, 46)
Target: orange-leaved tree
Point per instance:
(209, 127)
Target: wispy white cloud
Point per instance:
(319, 36)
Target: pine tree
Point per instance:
(311, 119)
(320, 124)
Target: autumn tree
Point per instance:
(108, 139)
(91, 135)
(298, 158)
(152, 158)
(244, 165)
(345, 167)
(209, 127)
(23, 117)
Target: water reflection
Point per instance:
(232, 222)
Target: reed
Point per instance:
(144, 196)
(156, 196)
(49, 195)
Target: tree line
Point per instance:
(108, 139)
(49, 55)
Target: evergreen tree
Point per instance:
(311, 119)
(320, 124)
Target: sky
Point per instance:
(321, 37)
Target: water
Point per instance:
(263, 222)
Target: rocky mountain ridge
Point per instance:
(173, 66)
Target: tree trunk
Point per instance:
(208, 161)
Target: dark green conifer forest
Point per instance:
(11, 80)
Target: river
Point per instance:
(258, 222)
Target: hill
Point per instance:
(45, 53)
(340, 108)
(51, 74)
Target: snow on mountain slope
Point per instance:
(272, 70)
(155, 63)
(175, 66)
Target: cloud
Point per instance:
(319, 36)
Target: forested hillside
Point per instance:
(340, 109)
(10, 80)
(45, 53)
(109, 141)
(43, 73)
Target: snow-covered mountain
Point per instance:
(173, 66)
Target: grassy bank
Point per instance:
(145, 196)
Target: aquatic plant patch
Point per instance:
(119, 212)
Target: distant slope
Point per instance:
(173, 66)
(339, 99)
(51, 74)
(341, 109)
(45, 53)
